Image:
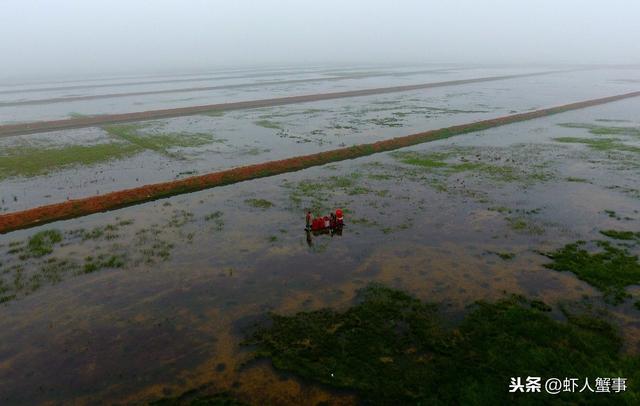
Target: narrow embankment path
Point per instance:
(200, 78)
(114, 200)
(64, 99)
(91, 121)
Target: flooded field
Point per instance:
(156, 300)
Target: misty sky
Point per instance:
(52, 37)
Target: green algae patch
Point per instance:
(391, 348)
(29, 161)
(609, 268)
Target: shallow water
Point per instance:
(158, 327)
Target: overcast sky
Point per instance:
(53, 37)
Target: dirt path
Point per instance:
(188, 89)
(114, 200)
(43, 126)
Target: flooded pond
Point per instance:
(155, 300)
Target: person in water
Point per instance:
(308, 218)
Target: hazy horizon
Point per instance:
(75, 38)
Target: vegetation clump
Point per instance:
(159, 142)
(30, 161)
(621, 235)
(268, 124)
(41, 244)
(259, 203)
(605, 130)
(611, 269)
(607, 144)
(391, 348)
(504, 255)
(103, 261)
(216, 217)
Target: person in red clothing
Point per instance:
(317, 224)
(339, 218)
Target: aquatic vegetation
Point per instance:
(391, 348)
(605, 130)
(102, 261)
(42, 243)
(259, 203)
(608, 144)
(610, 269)
(31, 161)
(621, 235)
(159, 142)
(268, 124)
(36, 261)
(484, 164)
(524, 224)
(576, 180)
(216, 217)
(386, 122)
(503, 255)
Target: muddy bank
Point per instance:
(80, 122)
(81, 207)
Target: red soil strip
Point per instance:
(42, 126)
(114, 200)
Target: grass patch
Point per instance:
(522, 224)
(440, 163)
(503, 255)
(621, 235)
(159, 142)
(217, 219)
(605, 130)
(32, 161)
(103, 261)
(577, 180)
(41, 244)
(610, 269)
(273, 125)
(391, 348)
(608, 144)
(259, 203)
